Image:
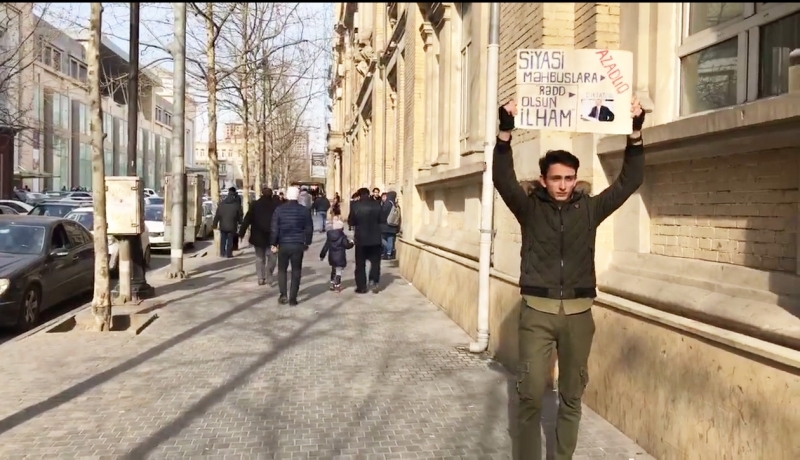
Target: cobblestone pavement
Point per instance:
(225, 372)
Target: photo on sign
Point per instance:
(597, 108)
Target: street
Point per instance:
(158, 260)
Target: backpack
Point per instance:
(393, 219)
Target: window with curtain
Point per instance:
(108, 161)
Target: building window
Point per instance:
(77, 70)
(108, 127)
(464, 12)
(57, 58)
(140, 154)
(84, 119)
(85, 166)
(122, 146)
(60, 163)
(733, 53)
(163, 116)
(108, 161)
(64, 112)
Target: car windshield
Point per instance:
(84, 218)
(21, 239)
(154, 213)
(54, 210)
(155, 200)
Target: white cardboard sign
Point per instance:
(584, 90)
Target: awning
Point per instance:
(22, 173)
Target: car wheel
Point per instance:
(29, 309)
(147, 257)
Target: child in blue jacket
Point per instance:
(336, 246)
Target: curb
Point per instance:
(81, 308)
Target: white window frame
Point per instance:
(746, 29)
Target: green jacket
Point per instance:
(557, 253)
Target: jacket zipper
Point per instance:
(561, 278)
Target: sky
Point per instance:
(156, 32)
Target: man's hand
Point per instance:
(274, 249)
(637, 115)
(305, 247)
(506, 116)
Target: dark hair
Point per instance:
(376, 189)
(363, 192)
(232, 190)
(266, 191)
(558, 157)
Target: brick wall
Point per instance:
(597, 25)
(739, 210)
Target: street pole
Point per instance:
(132, 280)
(178, 142)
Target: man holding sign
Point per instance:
(557, 275)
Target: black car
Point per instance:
(43, 262)
(57, 208)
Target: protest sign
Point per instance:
(584, 90)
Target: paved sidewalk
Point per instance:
(227, 373)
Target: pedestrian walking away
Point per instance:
(259, 220)
(290, 236)
(227, 219)
(390, 224)
(365, 219)
(336, 246)
(557, 280)
(320, 207)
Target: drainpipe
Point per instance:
(487, 192)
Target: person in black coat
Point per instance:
(365, 219)
(227, 218)
(336, 246)
(388, 231)
(289, 237)
(259, 220)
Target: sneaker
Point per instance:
(293, 302)
(283, 300)
(332, 286)
(373, 286)
(337, 287)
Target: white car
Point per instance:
(154, 223)
(20, 207)
(207, 222)
(85, 217)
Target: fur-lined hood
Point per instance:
(530, 187)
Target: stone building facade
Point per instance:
(698, 271)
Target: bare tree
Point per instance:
(208, 74)
(101, 303)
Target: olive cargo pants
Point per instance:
(539, 335)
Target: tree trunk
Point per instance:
(245, 92)
(211, 87)
(101, 303)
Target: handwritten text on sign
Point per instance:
(574, 90)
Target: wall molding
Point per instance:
(719, 335)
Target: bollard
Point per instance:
(794, 72)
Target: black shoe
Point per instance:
(292, 302)
(332, 286)
(373, 286)
(361, 290)
(262, 282)
(384, 257)
(283, 300)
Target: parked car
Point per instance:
(5, 210)
(153, 200)
(32, 198)
(43, 262)
(207, 226)
(20, 207)
(154, 223)
(78, 196)
(56, 208)
(85, 217)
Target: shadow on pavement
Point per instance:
(202, 406)
(81, 388)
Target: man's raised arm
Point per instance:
(631, 176)
(503, 175)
